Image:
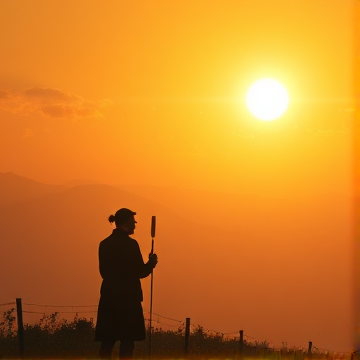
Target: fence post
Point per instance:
(20, 327)
(241, 343)
(187, 336)
(309, 350)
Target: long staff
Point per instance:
(153, 225)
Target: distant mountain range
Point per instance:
(15, 189)
(227, 260)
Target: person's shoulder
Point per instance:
(107, 240)
(133, 241)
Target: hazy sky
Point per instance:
(153, 92)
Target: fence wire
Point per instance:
(61, 306)
(165, 323)
(9, 303)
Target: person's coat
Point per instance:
(120, 314)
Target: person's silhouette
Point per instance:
(120, 314)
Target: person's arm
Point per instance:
(144, 269)
(109, 264)
(103, 264)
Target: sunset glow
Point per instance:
(267, 99)
(231, 121)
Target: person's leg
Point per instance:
(126, 349)
(106, 348)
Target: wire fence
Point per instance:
(9, 303)
(35, 312)
(159, 322)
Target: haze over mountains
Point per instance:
(279, 269)
(15, 189)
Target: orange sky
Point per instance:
(152, 92)
(158, 88)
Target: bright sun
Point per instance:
(267, 99)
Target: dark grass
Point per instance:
(62, 339)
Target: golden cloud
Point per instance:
(52, 103)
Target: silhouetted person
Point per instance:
(120, 314)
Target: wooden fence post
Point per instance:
(20, 327)
(309, 350)
(241, 343)
(187, 336)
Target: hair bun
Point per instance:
(111, 218)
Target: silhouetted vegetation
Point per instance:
(59, 338)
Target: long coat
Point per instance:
(120, 314)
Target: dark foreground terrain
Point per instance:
(59, 338)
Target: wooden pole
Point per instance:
(241, 343)
(153, 227)
(187, 336)
(20, 327)
(151, 302)
(309, 350)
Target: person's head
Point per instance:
(124, 219)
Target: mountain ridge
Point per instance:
(16, 188)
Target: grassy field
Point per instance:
(59, 338)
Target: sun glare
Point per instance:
(267, 99)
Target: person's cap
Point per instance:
(123, 214)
